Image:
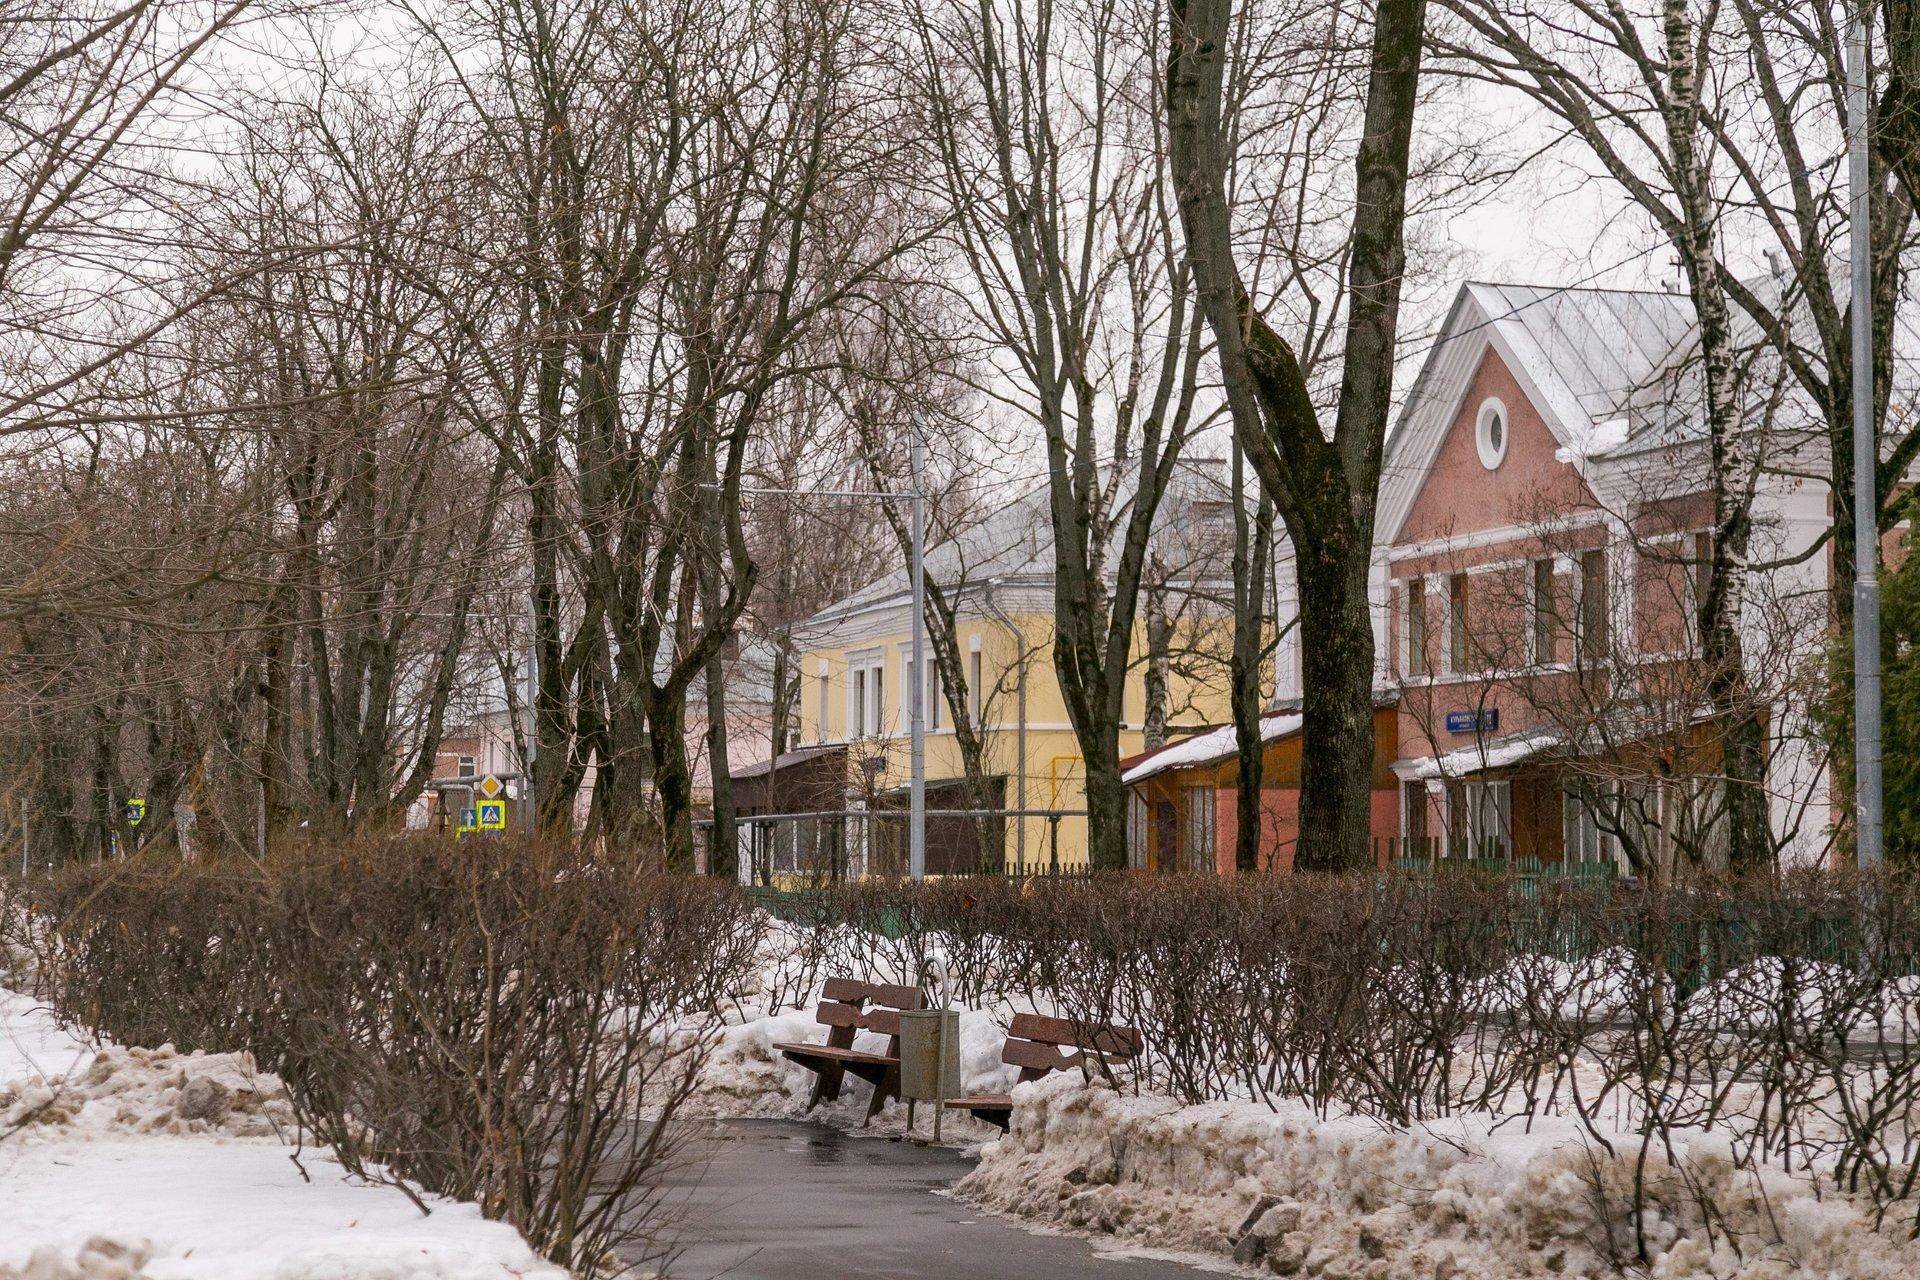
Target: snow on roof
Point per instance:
(1496, 754)
(1205, 748)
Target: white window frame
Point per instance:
(976, 679)
(866, 694)
(1474, 795)
(824, 706)
(1199, 827)
(1492, 453)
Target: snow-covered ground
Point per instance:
(1285, 1191)
(121, 1162)
(1344, 1198)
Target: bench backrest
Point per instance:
(1039, 1045)
(848, 1007)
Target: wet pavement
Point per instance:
(789, 1200)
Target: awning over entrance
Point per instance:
(1627, 725)
(1494, 753)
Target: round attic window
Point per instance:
(1490, 433)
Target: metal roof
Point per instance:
(1015, 541)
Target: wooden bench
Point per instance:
(1039, 1045)
(847, 1008)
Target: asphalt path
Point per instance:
(793, 1200)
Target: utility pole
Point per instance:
(917, 695)
(1866, 459)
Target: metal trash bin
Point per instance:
(929, 1054)
(929, 1060)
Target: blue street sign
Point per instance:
(1473, 721)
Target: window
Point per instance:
(929, 709)
(1198, 838)
(820, 733)
(1490, 433)
(1480, 819)
(466, 767)
(1416, 622)
(866, 695)
(1459, 627)
(1581, 837)
(1136, 830)
(1544, 611)
(976, 686)
(1699, 573)
(1413, 819)
(1593, 606)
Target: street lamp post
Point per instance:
(917, 695)
(1866, 459)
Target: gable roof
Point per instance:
(1579, 354)
(1014, 543)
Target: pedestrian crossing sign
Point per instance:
(492, 815)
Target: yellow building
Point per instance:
(856, 667)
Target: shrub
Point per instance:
(500, 1023)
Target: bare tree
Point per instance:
(1051, 147)
(1322, 483)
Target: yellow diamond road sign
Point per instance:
(490, 787)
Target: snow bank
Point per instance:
(119, 1163)
(1757, 995)
(171, 1209)
(1599, 986)
(150, 1091)
(33, 1045)
(1346, 1199)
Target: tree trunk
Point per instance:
(723, 840)
(1336, 747)
(1250, 564)
(672, 778)
(1153, 721)
(1743, 747)
(1323, 486)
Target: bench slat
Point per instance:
(1037, 1057)
(897, 997)
(846, 989)
(827, 1053)
(1112, 1041)
(849, 991)
(832, 1013)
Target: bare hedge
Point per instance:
(485, 1021)
(1783, 1011)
